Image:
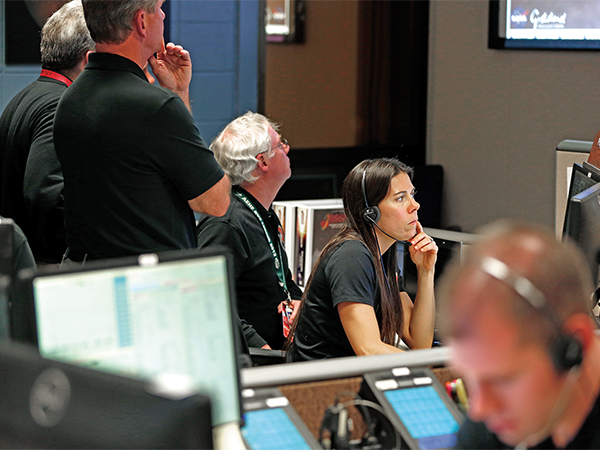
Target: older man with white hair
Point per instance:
(255, 158)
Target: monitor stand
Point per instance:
(228, 436)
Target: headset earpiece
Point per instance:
(566, 352)
(371, 214)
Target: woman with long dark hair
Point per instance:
(352, 304)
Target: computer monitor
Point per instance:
(582, 178)
(6, 274)
(451, 245)
(49, 404)
(582, 224)
(143, 316)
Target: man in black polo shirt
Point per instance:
(134, 163)
(254, 156)
(31, 177)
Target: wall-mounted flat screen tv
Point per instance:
(544, 24)
(23, 20)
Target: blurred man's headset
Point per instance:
(565, 350)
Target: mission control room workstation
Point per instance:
(104, 362)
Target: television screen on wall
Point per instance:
(544, 24)
(23, 21)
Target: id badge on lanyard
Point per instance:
(286, 315)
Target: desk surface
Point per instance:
(302, 372)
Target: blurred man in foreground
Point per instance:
(516, 314)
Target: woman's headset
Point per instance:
(371, 214)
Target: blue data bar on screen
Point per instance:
(122, 310)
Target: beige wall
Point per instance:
(496, 116)
(311, 88)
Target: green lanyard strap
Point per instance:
(276, 258)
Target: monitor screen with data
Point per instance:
(417, 406)
(162, 315)
(271, 423)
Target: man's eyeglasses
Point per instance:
(282, 142)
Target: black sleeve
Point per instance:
(253, 339)
(22, 256)
(42, 190)
(351, 274)
(213, 231)
(175, 145)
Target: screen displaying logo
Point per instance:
(518, 18)
(564, 24)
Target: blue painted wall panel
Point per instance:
(11, 83)
(213, 46)
(249, 36)
(208, 11)
(209, 130)
(213, 89)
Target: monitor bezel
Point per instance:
(83, 405)
(453, 244)
(7, 230)
(574, 219)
